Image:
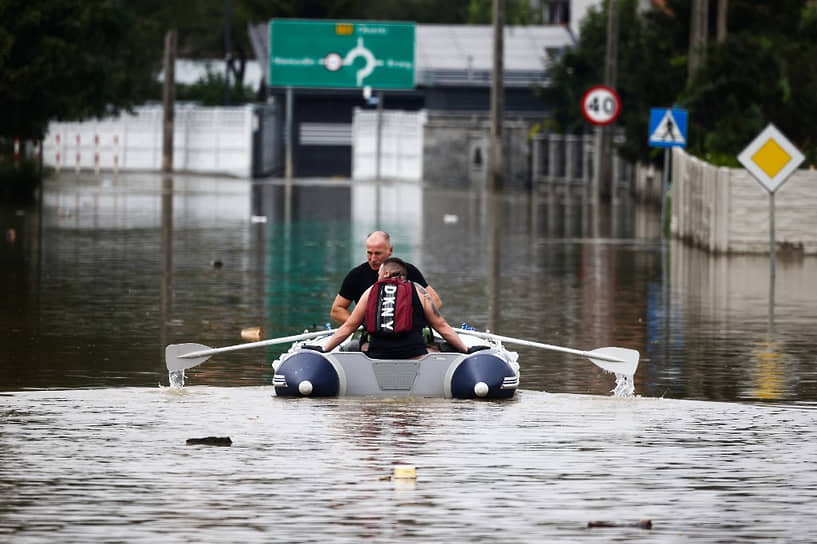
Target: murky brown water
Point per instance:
(107, 272)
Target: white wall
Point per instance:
(727, 210)
(214, 140)
(401, 146)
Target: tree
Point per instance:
(651, 72)
(72, 59)
(761, 72)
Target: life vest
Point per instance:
(389, 309)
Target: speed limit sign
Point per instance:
(601, 105)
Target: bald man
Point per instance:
(360, 278)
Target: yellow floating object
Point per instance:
(252, 334)
(405, 471)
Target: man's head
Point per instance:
(393, 268)
(378, 248)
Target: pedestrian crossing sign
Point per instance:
(668, 127)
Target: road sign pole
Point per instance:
(379, 138)
(664, 185)
(772, 258)
(288, 142)
(772, 243)
(771, 158)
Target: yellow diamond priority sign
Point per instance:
(771, 158)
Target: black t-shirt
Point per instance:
(362, 277)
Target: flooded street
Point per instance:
(715, 446)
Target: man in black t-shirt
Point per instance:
(409, 342)
(360, 278)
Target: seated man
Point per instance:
(395, 311)
(360, 278)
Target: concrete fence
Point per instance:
(725, 210)
(457, 150)
(442, 148)
(205, 140)
(401, 145)
(648, 184)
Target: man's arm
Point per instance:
(340, 310)
(435, 298)
(417, 277)
(350, 325)
(438, 323)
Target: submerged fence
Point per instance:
(571, 160)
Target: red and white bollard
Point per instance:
(115, 154)
(57, 163)
(96, 154)
(77, 167)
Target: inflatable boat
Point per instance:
(490, 371)
(487, 371)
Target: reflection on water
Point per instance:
(108, 272)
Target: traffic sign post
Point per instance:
(668, 128)
(341, 54)
(601, 105)
(771, 158)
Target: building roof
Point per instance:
(463, 54)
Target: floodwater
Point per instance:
(716, 445)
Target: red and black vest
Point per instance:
(389, 309)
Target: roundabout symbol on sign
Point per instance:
(601, 105)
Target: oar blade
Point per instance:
(174, 352)
(627, 362)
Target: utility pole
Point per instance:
(723, 10)
(168, 100)
(228, 23)
(698, 31)
(497, 96)
(610, 79)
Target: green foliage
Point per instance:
(17, 181)
(71, 59)
(209, 91)
(649, 74)
(573, 73)
(763, 72)
(517, 12)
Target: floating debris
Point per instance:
(640, 524)
(210, 441)
(252, 334)
(405, 471)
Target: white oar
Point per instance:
(181, 356)
(616, 360)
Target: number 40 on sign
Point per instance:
(601, 105)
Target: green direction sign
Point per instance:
(341, 54)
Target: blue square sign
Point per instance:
(668, 127)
